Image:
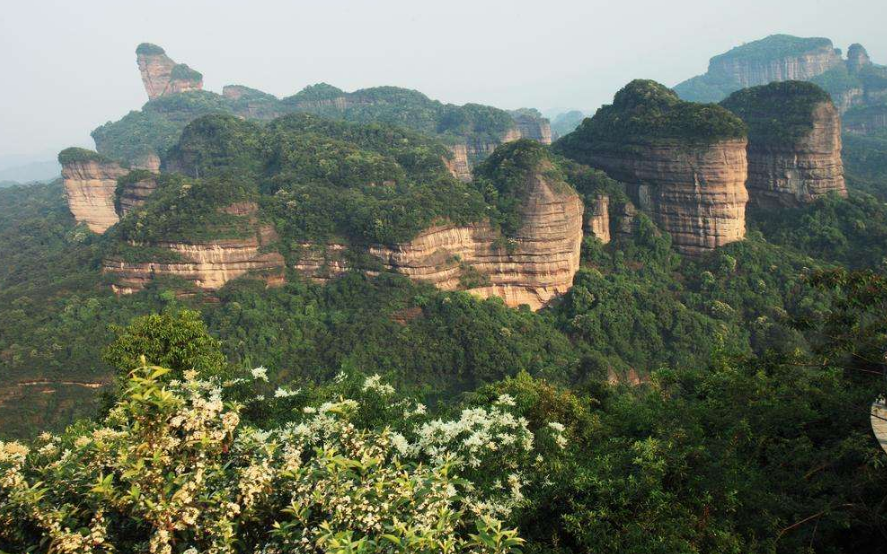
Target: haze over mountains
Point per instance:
(351, 317)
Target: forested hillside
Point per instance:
(250, 324)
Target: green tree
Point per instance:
(177, 340)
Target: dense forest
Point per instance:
(665, 403)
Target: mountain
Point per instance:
(142, 138)
(683, 163)
(857, 86)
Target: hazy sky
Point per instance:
(69, 66)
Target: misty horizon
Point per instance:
(72, 67)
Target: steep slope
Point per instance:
(684, 163)
(774, 58)
(90, 186)
(531, 265)
(161, 75)
(794, 150)
(142, 138)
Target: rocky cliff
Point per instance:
(206, 264)
(597, 218)
(134, 190)
(774, 58)
(794, 150)
(531, 267)
(695, 192)
(799, 62)
(90, 183)
(161, 75)
(685, 164)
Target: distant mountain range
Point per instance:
(34, 171)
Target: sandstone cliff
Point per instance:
(134, 190)
(597, 220)
(90, 184)
(161, 75)
(685, 164)
(794, 150)
(532, 267)
(206, 264)
(534, 128)
(753, 70)
(696, 193)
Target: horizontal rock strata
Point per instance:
(796, 173)
(90, 187)
(533, 267)
(696, 193)
(208, 266)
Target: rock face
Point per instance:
(801, 66)
(857, 57)
(135, 193)
(696, 193)
(534, 266)
(537, 264)
(90, 185)
(685, 164)
(774, 58)
(534, 128)
(794, 150)
(597, 220)
(161, 75)
(208, 266)
(475, 150)
(796, 174)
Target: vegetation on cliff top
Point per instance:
(81, 155)
(645, 113)
(181, 72)
(316, 179)
(779, 113)
(773, 47)
(148, 49)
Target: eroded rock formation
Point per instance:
(207, 265)
(135, 192)
(597, 220)
(685, 164)
(794, 150)
(90, 184)
(749, 70)
(531, 267)
(695, 192)
(161, 75)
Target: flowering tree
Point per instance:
(173, 470)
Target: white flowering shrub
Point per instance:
(173, 470)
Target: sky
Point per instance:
(69, 66)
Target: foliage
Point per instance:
(178, 341)
(647, 113)
(779, 113)
(849, 231)
(189, 210)
(865, 163)
(148, 49)
(504, 178)
(181, 72)
(173, 470)
(81, 155)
